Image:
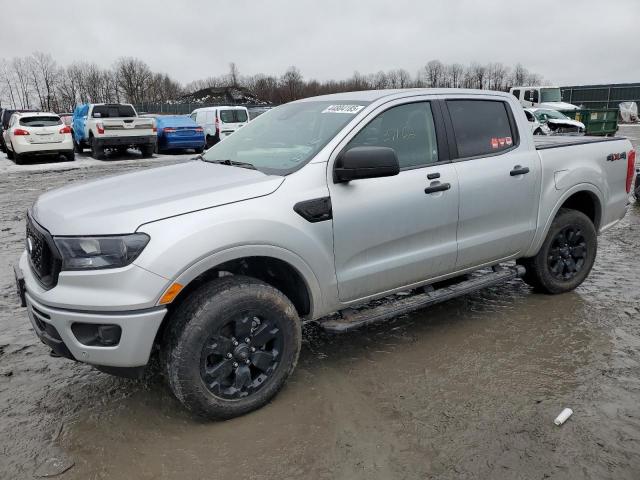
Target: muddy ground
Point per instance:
(468, 389)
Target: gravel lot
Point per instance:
(467, 389)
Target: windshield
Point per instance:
(284, 139)
(550, 95)
(233, 116)
(543, 115)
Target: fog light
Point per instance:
(96, 335)
(109, 335)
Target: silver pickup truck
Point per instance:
(314, 208)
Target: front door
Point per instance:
(395, 231)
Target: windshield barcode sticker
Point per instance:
(352, 109)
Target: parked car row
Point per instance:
(104, 128)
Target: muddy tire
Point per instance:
(70, 156)
(566, 256)
(230, 346)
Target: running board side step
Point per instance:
(353, 319)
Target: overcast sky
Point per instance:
(567, 41)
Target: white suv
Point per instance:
(37, 133)
(220, 122)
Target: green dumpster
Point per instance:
(596, 122)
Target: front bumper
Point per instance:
(122, 297)
(53, 327)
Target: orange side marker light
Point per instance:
(171, 293)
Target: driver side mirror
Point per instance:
(365, 162)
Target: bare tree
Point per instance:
(454, 74)
(133, 77)
(292, 84)
(434, 73)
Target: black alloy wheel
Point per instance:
(241, 356)
(568, 253)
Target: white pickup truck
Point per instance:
(314, 208)
(106, 126)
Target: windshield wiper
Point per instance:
(233, 163)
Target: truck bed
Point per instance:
(546, 142)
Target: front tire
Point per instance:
(566, 256)
(231, 346)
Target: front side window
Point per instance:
(283, 139)
(408, 129)
(481, 127)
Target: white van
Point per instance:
(220, 122)
(542, 97)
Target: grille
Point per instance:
(43, 259)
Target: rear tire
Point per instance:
(147, 151)
(230, 346)
(199, 150)
(566, 256)
(97, 151)
(70, 156)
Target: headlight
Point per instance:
(83, 253)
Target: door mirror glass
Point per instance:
(365, 162)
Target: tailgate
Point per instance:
(128, 127)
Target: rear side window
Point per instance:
(481, 127)
(40, 121)
(233, 116)
(516, 93)
(408, 129)
(113, 111)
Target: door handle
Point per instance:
(518, 170)
(433, 176)
(441, 187)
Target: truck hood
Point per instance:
(120, 204)
(558, 106)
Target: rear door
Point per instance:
(395, 231)
(499, 177)
(231, 119)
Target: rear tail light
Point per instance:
(154, 127)
(65, 129)
(631, 161)
(199, 129)
(100, 128)
(20, 131)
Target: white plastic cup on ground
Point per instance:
(563, 417)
